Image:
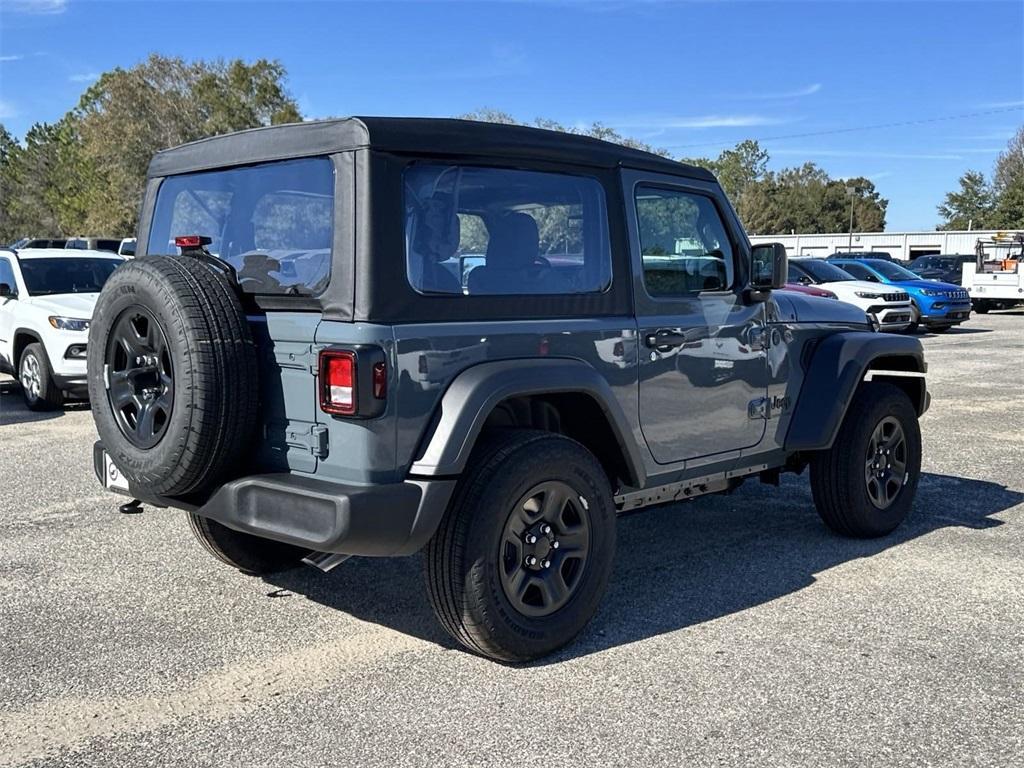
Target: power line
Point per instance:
(922, 121)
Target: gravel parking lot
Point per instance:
(737, 629)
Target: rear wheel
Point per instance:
(40, 391)
(864, 485)
(250, 554)
(522, 558)
(982, 307)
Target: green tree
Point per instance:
(1008, 186)
(970, 207)
(8, 152)
(129, 114)
(806, 199)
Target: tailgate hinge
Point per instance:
(315, 439)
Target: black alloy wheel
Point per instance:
(140, 377)
(544, 548)
(885, 465)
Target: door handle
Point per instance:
(666, 339)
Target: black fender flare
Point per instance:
(23, 331)
(838, 365)
(475, 392)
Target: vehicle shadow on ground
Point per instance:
(14, 411)
(676, 566)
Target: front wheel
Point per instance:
(40, 391)
(521, 560)
(864, 485)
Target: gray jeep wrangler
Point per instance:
(374, 336)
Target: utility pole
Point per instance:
(851, 191)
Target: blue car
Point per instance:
(936, 306)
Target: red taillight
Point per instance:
(338, 381)
(191, 241)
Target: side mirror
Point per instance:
(769, 266)
(6, 292)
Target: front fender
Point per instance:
(475, 392)
(838, 365)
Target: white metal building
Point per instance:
(899, 245)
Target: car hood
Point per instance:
(816, 309)
(848, 287)
(78, 305)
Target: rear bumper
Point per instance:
(378, 520)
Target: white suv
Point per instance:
(887, 305)
(46, 300)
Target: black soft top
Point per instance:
(419, 135)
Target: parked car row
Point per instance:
(47, 297)
(124, 246)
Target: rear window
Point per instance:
(274, 222)
(492, 231)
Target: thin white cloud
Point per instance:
(12, 57)
(797, 152)
(38, 7)
(7, 110)
(1004, 104)
(797, 93)
(86, 77)
(699, 122)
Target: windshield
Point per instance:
(64, 274)
(891, 271)
(274, 222)
(822, 271)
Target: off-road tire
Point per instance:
(213, 419)
(250, 554)
(462, 559)
(838, 474)
(49, 396)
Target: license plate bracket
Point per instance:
(113, 480)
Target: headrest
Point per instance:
(513, 241)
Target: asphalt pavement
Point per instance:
(737, 630)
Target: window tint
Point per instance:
(858, 271)
(7, 274)
(683, 243)
(66, 274)
(823, 272)
(494, 231)
(895, 272)
(272, 222)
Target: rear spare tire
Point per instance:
(172, 375)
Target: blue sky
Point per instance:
(693, 77)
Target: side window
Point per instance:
(860, 272)
(683, 243)
(7, 274)
(478, 231)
